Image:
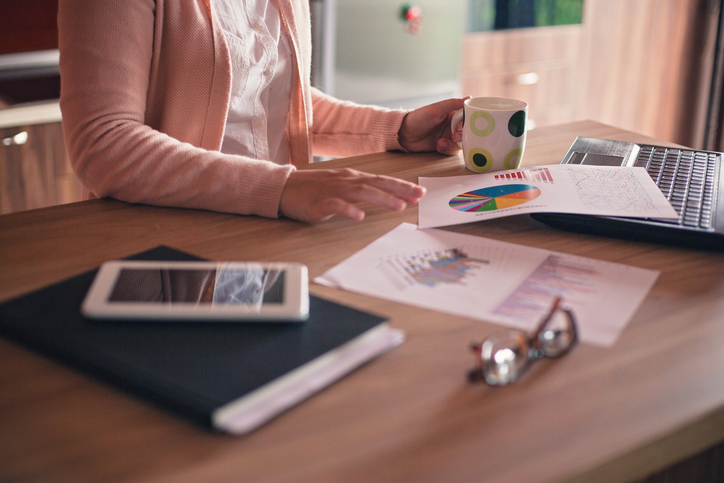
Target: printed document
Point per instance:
(494, 281)
(560, 188)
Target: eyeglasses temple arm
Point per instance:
(554, 307)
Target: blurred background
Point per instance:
(650, 66)
(389, 53)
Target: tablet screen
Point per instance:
(224, 286)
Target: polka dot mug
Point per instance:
(494, 131)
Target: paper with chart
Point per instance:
(494, 281)
(560, 188)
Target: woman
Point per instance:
(192, 104)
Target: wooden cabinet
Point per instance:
(28, 25)
(646, 66)
(642, 65)
(34, 167)
(537, 65)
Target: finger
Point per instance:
(444, 108)
(404, 190)
(447, 147)
(367, 193)
(336, 206)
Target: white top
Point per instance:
(261, 79)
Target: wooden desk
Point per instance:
(615, 414)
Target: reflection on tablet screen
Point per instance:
(235, 286)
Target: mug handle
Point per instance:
(457, 117)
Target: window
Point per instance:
(509, 14)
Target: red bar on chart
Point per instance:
(538, 174)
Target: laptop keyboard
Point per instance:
(688, 178)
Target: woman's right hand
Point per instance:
(315, 195)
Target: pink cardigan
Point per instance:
(145, 87)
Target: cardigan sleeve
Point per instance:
(343, 128)
(117, 133)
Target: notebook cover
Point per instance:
(190, 368)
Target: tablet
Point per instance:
(224, 291)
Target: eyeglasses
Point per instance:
(505, 356)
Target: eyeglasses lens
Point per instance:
(558, 335)
(505, 356)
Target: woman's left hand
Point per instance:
(428, 128)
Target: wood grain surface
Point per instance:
(614, 414)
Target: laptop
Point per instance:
(691, 180)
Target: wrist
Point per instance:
(402, 134)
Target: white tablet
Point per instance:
(228, 291)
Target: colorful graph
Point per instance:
(431, 268)
(556, 276)
(494, 198)
(541, 175)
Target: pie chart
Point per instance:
(494, 198)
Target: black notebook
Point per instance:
(231, 377)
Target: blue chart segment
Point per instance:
(448, 266)
(494, 198)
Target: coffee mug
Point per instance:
(493, 133)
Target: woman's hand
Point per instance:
(315, 195)
(428, 128)
(319, 194)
